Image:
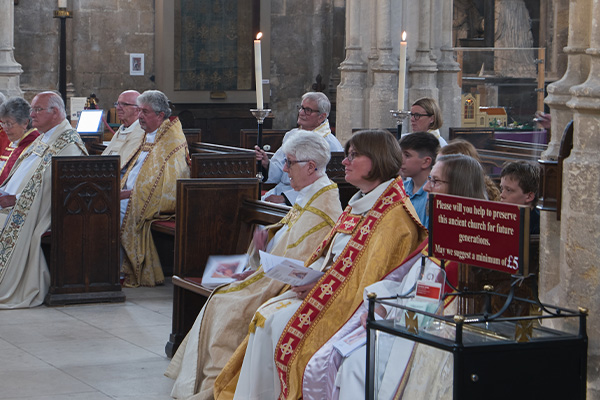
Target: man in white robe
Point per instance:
(25, 204)
(312, 116)
(130, 135)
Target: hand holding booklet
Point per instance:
(288, 270)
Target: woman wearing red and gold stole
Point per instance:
(16, 126)
(376, 232)
(328, 375)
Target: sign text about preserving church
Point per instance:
(483, 233)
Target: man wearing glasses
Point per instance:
(130, 136)
(312, 116)
(25, 202)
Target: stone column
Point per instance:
(10, 70)
(558, 95)
(449, 94)
(423, 69)
(384, 92)
(580, 236)
(350, 93)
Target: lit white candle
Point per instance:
(258, 72)
(62, 3)
(402, 72)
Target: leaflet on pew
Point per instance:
(288, 270)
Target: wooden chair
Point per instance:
(82, 248)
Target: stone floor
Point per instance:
(90, 352)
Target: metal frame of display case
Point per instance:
(552, 365)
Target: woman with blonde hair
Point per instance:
(426, 116)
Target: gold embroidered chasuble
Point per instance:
(152, 198)
(225, 317)
(24, 275)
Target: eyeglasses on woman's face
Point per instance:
(417, 116)
(289, 163)
(352, 155)
(435, 182)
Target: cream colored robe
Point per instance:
(152, 198)
(126, 142)
(223, 322)
(24, 275)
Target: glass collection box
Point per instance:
(542, 356)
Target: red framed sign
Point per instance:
(483, 233)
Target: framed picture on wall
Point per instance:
(136, 64)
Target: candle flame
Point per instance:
(259, 36)
(403, 36)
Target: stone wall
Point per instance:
(307, 41)
(100, 37)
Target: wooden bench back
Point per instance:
(208, 220)
(84, 256)
(223, 165)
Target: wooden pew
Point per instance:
(214, 216)
(204, 165)
(83, 247)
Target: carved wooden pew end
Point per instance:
(83, 257)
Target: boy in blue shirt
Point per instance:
(419, 150)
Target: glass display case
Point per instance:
(542, 356)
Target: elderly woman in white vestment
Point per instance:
(213, 338)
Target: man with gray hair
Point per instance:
(312, 116)
(25, 202)
(148, 188)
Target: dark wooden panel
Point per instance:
(84, 256)
(271, 137)
(223, 165)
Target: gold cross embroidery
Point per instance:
(305, 318)
(347, 261)
(365, 230)
(388, 199)
(326, 289)
(283, 305)
(286, 348)
(349, 223)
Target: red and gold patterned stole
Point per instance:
(321, 296)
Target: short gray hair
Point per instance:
(157, 100)
(322, 101)
(17, 108)
(308, 145)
